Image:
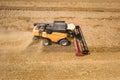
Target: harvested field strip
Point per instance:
(67, 0)
(59, 9)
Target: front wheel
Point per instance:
(64, 42)
(46, 42)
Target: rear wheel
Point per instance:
(46, 42)
(64, 42)
(35, 38)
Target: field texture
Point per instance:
(24, 59)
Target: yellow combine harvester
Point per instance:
(53, 32)
(59, 32)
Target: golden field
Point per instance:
(24, 59)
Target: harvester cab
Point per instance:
(61, 33)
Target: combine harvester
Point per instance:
(61, 33)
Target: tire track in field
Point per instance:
(59, 9)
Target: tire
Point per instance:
(35, 38)
(64, 42)
(46, 42)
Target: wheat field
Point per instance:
(21, 58)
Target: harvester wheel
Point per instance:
(35, 38)
(64, 42)
(46, 42)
